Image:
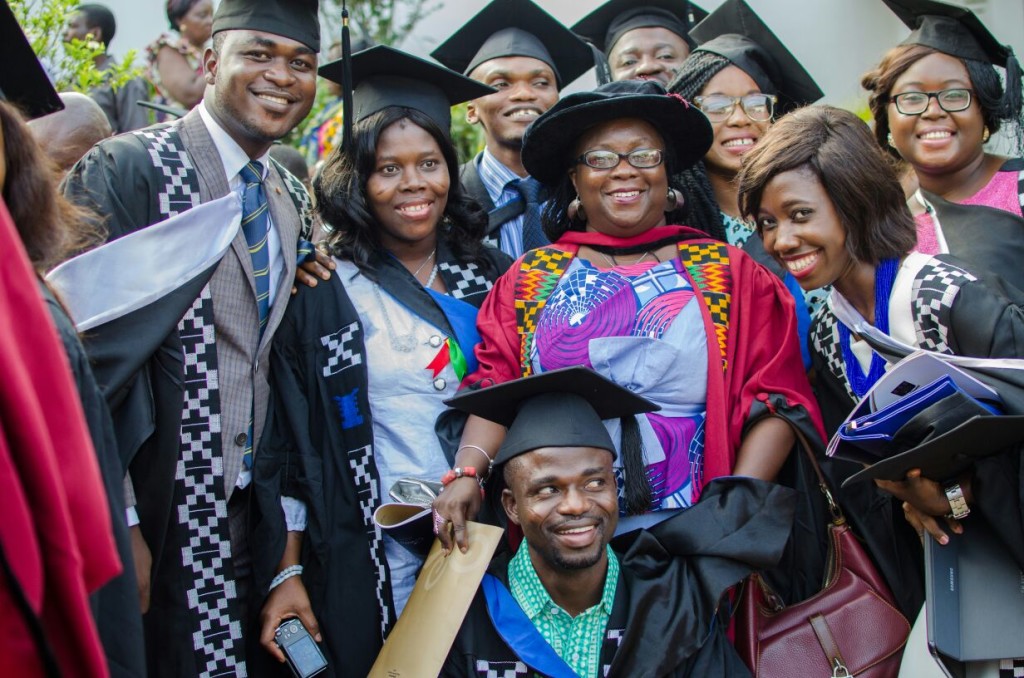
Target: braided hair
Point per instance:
(703, 211)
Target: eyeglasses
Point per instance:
(916, 103)
(641, 158)
(719, 107)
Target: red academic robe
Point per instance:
(55, 531)
(765, 374)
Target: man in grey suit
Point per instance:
(189, 418)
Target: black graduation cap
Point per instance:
(385, 76)
(295, 19)
(950, 29)
(560, 408)
(23, 81)
(736, 32)
(516, 28)
(605, 25)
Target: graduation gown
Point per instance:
(154, 380)
(666, 619)
(115, 607)
(955, 313)
(319, 447)
(764, 377)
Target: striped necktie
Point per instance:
(255, 226)
(531, 192)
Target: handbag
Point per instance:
(851, 627)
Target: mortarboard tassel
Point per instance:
(638, 495)
(346, 91)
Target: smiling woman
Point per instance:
(831, 210)
(384, 342)
(655, 307)
(936, 100)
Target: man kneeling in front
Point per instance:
(569, 602)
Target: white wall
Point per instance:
(836, 40)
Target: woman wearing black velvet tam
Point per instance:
(655, 307)
(362, 364)
(640, 39)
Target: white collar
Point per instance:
(231, 154)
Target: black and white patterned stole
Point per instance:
(935, 288)
(200, 504)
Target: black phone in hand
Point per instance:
(302, 652)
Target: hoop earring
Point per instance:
(673, 201)
(892, 144)
(985, 134)
(576, 211)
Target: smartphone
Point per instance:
(303, 654)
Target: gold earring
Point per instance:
(985, 134)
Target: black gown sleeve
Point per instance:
(114, 180)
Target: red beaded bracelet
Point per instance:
(459, 472)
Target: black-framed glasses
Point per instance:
(719, 107)
(641, 158)
(916, 103)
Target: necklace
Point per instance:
(611, 260)
(860, 383)
(404, 343)
(430, 280)
(416, 273)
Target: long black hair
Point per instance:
(703, 210)
(340, 193)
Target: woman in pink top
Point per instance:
(936, 100)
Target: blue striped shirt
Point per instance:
(499, 182)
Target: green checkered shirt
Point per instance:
(576, 640)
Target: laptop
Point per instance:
(975, 592)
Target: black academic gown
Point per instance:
(668, 618)
(980, 322)
(989, 240)
(115, 607)
(319, 446)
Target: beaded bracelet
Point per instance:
(459, 472)
(286, 573)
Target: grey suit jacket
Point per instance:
(243, 363)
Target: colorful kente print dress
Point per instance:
(636, 324)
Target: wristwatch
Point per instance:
(957, 504)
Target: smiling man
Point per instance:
(190, 402)
(528, 56)
(568, 603)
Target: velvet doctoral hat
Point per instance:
(560, 408)
(23, 80)
(508, 28)
(385, 76)
(298, 20)
(550, 139)
(735, 31)
(605, 25)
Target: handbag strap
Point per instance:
(833, 507)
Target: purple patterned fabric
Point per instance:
(637, 324)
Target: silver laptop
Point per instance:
(975, 591)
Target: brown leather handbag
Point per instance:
(850, 628)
